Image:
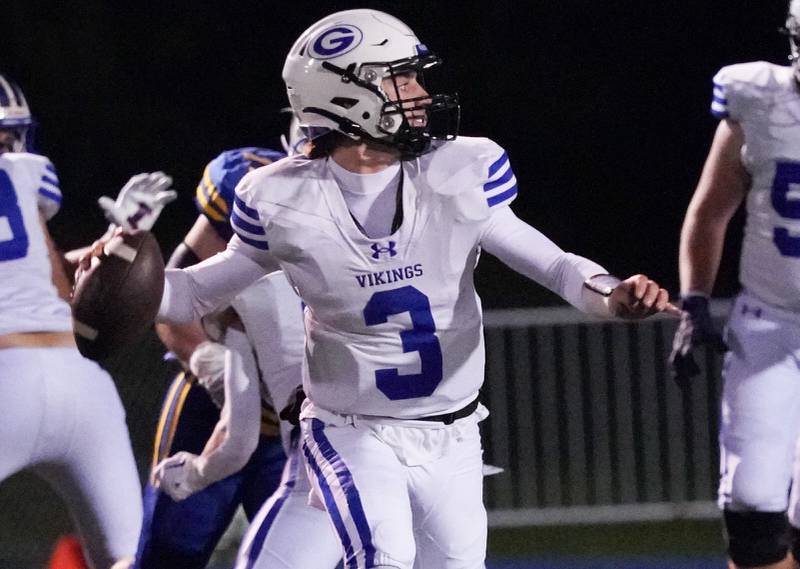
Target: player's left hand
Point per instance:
(639, 297)
(179, 475)
(139, 202)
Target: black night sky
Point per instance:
(602, 106)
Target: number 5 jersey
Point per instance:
(764, 99)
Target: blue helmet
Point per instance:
(15, 113)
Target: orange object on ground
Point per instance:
(67, 554)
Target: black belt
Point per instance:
(449, 418)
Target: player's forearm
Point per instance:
(240, 421)
(702, 239)
(530, 253)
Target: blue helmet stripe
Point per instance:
(16, 92)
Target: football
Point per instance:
(117, 298)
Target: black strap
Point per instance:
(397, 220)
(450, 418)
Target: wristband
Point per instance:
(603, 285)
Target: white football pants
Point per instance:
(287, 532)
(760, 406)
(404, 494)
(61, 416)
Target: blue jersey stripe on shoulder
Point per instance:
(50, 195)
(720, 114)
(498, 164)
(499, 181)
(245, 226)
(263, 245)
(720, 100)
(499, 198)
(247, 210)
(51, 181)
(51, 168)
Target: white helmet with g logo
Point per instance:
(334, 75)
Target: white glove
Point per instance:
(179, 475)
(207, 363)
(139, 202)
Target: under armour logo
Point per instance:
(377, 250)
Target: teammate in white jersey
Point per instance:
(754, 158)
(60, 415)
(218, 459)
(379, 232)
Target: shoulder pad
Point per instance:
(737, 88)
(476, 169)
(214, 195)
(42, 175)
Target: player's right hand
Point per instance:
(207, 363)
(696, 329)
(179, 475)
(139, 202)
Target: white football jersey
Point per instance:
(29, 301)
(393, 325)
(764, 99)
(272, 316)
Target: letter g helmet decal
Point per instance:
(335, 41)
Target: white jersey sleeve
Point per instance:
(762, 98)
(29, 301)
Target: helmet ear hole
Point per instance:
(344, 102)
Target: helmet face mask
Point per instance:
(792, 30)
(15, 115)
(336, 75)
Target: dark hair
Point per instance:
(322, 146)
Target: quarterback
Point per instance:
(755, 159)
(379, 229)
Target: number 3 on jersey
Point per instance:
(420, 338)
(13, 237)
(786, 175)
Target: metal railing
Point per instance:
(588, 424)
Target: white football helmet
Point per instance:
(792, 30)
(334, 74)
(15, 113)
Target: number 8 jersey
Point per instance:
(393, 325)
(764, 99)
(28, 299)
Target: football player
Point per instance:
(218, 459)
(60, 415)
(754, 158)
(379, 230)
